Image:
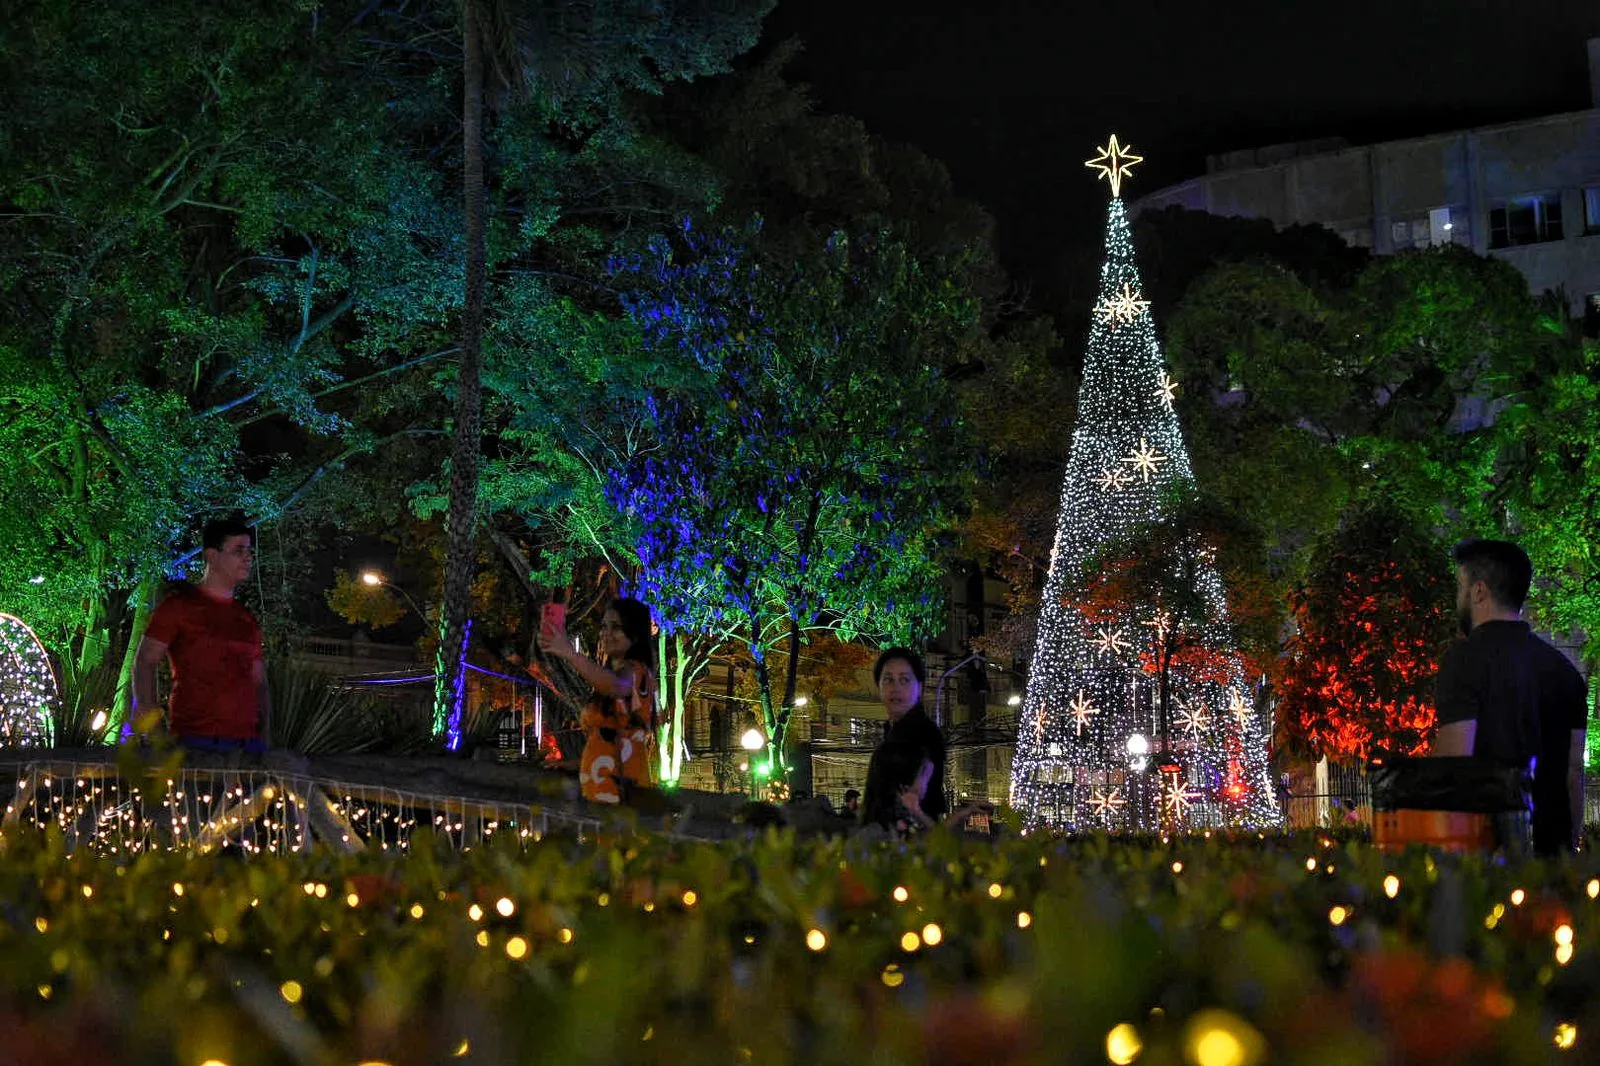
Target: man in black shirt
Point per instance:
(1505, 696)
(900, 674)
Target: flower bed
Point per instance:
(1219, 950)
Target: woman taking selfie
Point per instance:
(619, 721)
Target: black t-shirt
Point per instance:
(1527, 699)
(915, 727)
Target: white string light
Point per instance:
(1075, 769)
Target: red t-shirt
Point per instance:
(214, 645)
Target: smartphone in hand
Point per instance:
(553, 619)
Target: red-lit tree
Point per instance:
(1371, 621)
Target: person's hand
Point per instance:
(556, 642)
(911, 800)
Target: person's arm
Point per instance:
(1456, 738)
(1580, 738)
(145, 661)
(258, 674)
(913, 806)
(1455, 698)
(605, 682)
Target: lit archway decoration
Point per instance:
(29, 694)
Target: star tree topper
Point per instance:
(1114, 163)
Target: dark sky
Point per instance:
(1013, 96)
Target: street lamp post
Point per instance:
(374, 579)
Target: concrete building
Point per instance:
(1527, 192)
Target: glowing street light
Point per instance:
(374, 579)
(801, 701)
(1014, 700)
(752, 740)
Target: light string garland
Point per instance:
(1094, 749)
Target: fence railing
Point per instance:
(258, 810)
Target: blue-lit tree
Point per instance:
(810, 479)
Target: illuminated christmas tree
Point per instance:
(1137, 714)
(27, 687)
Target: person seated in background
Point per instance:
(852, 805)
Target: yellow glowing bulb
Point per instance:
(1337, 915)
(1517, 896)
(1177, 867)
(1593, 888)
(1566, 1035)
(1391, 886)
(505, 907)
(901, 893)
(892, 976)
(1311, 865)
(910, 942)
(322, 890)
(1563, 934)
(816, 940)
(353, 900)
(309, 886)
(88, 890)
(517, 947)
(475, 912)
(291, 991)
(690, 898)
(462, 1049)
(565, 936)
(417, 911)
(483, 938)
(213, 1062)
(1564, 954)
(932, 934)
(41, 924)
(996, 890)
(1123, 1044)
(1218, 1047)
(1024, 919)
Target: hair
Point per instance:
(851, 793)
(635, 619)
(918, 667)
(1502, 566)
(894, 766)
(215, 533)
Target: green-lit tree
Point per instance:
(196, 262)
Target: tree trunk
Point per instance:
(460, 520)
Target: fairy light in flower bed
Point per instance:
(1105, 644)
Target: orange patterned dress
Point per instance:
(621, 741)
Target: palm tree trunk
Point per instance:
(461, 518)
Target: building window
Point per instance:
(1525, 220)
(1591, 209)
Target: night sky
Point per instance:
(1013, 96)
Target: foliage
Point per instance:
(363, 604)
(1371, 621)
(1547, 477)
(313, 715)
(812, 477)
(778, 949)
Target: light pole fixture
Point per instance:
(752, 740)
(374, 579)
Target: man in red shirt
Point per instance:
(219, 697)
